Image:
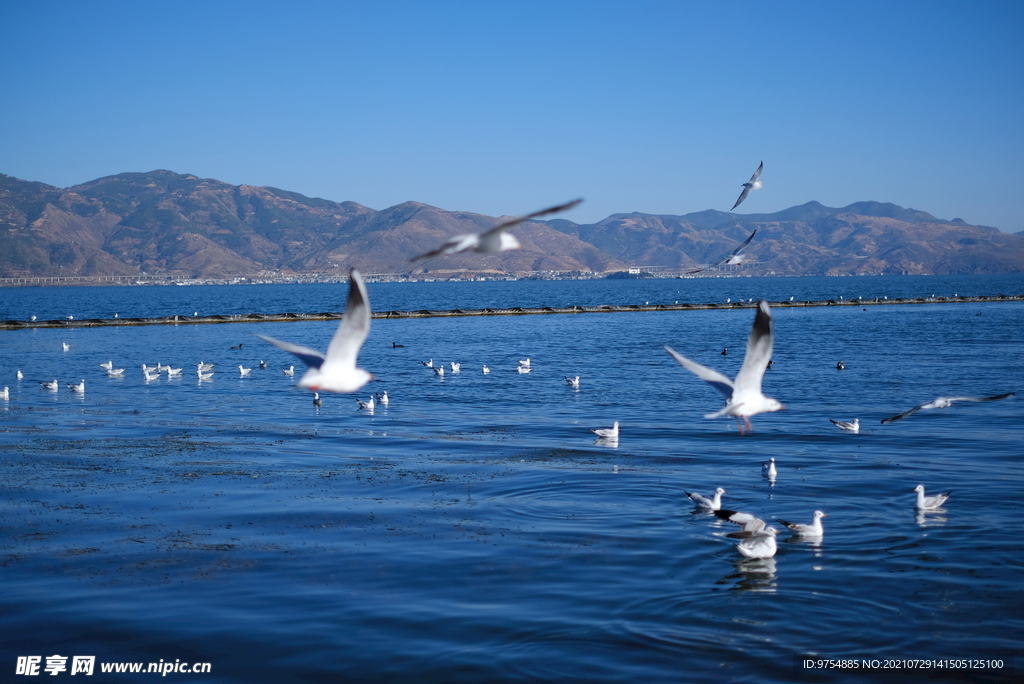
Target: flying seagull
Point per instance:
(943, 402)
(493, 240)
(752, 184)
(733, 257)
(337, 371)
(743, 396)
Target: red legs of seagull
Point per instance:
(750, 427)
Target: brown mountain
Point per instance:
(167, 223)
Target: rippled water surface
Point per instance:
(474, 529)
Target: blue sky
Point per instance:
(504, 108)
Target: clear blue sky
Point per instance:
(503, 108)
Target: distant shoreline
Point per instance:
(514, 311)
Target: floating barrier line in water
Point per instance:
(513, 311)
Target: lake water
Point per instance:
(474, 529)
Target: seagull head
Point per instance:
(819, 514)
(772, 405)
(919, 488)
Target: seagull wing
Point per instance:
(903, 415)
(759, 351)
(708, 375)
(729, 257)
(757, 174)
(995, 398)
(743, 195)
(519, 219)
(355, 326)
(310, 357)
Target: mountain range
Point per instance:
(163, 222)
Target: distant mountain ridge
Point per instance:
(163, 222)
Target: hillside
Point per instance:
(163, 222)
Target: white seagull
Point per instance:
(748, 522)
(337, 371)
(573, 382)
(525, 363)
(524, 369)
(428, 364)
(486, 369)
(80, 387)
(704, 502)
(205, 366)
(67, 347)
(813, 530)
(612, 432)
(202, 376)
(493, 240)
(20, 375)
(116, 373)
(6, 394)
(174, 372)
(769, 468)
(290, 370)
(52, 385)
(317, 401)
(760, 544)
(734, 257)
(929, 503)
(456, 367)
(752, 184)
(242, 372)
(849, 427)
(743, 397)
(944, 402)
(108, 365)
(368, 405)
(438, 371)
(382, 398)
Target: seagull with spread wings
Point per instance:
(493, 240)
(336, 371)
(743, 396)
(943, 402)
(753, 184)
(734, 257)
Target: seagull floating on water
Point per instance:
(67, 347)
(242, 372)
(290, 370)
(174, 372)
(712, 504)
(813, 530)
(944, 402)
(849, 427)
(263, 364)
(52, 385)
(205, 366)
(760, 544)
(317, 401)
(6, 394)
(108, 365)
(118, 372)
(573, 382)
(840, 366)
(753, 184)
(428, 364)
(743, 396)
(525, 363)
(493, 240)
(80, 387)
(612, 432)
(438, 371)
(336, 371)
(382, 398)
(456, 367)
(486, 369)
(524, 369)
(769, 468)
(20, 375)
(367, 405)
(929, 503)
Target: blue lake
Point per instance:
(475, 529)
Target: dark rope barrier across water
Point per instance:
(514, 311)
